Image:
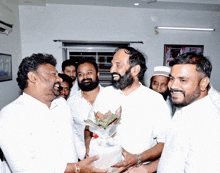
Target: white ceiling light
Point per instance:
(183, 28)
(136, 4)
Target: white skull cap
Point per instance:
(162, 70)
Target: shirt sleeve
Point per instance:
(163, 119)
(173, 156)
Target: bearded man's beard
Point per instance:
(88, 84)
(124, 81)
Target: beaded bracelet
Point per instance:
(77, 169)
(139, 160)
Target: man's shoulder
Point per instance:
(151, 93)
(13, 109)
(108, 89)
(60, 101)
(75, 97)
(14, 104)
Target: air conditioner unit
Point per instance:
(5, 28)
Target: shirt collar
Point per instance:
(31, 99)
(139, 88)
(80, 92)
(193, 105)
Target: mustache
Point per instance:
(175, 90)
(115, 74)
(59, 86)
(86, 80)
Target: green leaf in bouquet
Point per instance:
(91, 123)
(106, 121)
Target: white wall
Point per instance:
(41, 25)
(11, 44)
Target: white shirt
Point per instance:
(79, 108)
(193, 140)
(35, 138)
(144, 118)
(74, 89)
(215, 96)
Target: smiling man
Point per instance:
(193, 140)
(159, 83)
(69, 68)
(144, 115)
(81, 103)
(65, 85)
(36, 133)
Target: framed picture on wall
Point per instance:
(5, 67)
(173, 50)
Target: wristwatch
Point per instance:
(139, 163)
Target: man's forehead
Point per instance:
(86, 65)
(184, 70)
(160, 78)
(46, 67)
(70, 66)
(65, 84)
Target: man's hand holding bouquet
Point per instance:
(102, 143)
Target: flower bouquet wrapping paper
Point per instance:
(102, 142)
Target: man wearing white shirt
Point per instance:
(144, 116)
(36, 132)
(69, 68)
(159, 83)
(193, 140)
(81, 103)
(214, 95)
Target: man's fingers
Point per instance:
(100, 170)
(119, 164)
(119, 170)
(93, 158)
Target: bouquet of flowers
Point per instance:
(103, 143)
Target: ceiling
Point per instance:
(203, 5)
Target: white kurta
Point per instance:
(79, 108)
(215, 96)
(35, 138)
(144, 119)
(74, 89)
(193, 140)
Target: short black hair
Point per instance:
(135, 58)
(68, 62)
(67, 79)
(32, 63)
(202, 63)
(90, 60)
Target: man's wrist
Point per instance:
(77, 168)
(139, 162)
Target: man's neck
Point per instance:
(90, 96)
(43, 99)
(131, 88)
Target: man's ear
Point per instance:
(98, 74)
(204, 83)
(32, 77)
(135, 70)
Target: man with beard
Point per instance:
(159, 83)
(144, 115)
(81, 103)
(193, 140)
(69, 68)
(36, 133)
